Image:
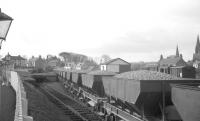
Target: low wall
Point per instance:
(21, 111)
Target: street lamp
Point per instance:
(5, 22)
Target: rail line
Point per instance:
(73, 109)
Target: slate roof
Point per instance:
(170, 61)
(112, 60)
(14, 57)
(17, 58)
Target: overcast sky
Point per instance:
(135, 30)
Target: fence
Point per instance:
(21, 101)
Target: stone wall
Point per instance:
(21, 111)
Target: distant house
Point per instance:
(164, 64)
(79, 66)
(16, 61)
(31, 62)
(40, 63)
(117, 65)
(52, 61)
(73, 66)
(69, 65)
(171, 61)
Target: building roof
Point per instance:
(81, 71)
(99, 72)
(33, 59)
(170, 61)
(13, 57)
(146, 75)
(112, 60)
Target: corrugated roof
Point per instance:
(99, 72)
(146, 75)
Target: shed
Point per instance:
(117, 65)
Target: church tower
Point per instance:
(197, 49)
(196, 55)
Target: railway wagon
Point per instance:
(148, 91)
(186, 100)
(93, 81)
(76, 76)
(66, 75)
(69, 75)
(59, 71)
(63, 74)
(183, 71)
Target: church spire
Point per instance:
(197, 49)
(177, 51)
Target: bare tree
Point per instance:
(105, 58)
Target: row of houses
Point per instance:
(39, 62)
(117, 65)
(174, 65)
(33, 62)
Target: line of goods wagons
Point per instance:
(143, 89)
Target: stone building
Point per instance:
(16, 61)
(117, 65)
(164, 64)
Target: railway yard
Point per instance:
(50, 101)
(104, 96)
(64, 61)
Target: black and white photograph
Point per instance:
(100, 60)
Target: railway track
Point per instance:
(71, 108)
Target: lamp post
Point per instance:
(5, 23)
